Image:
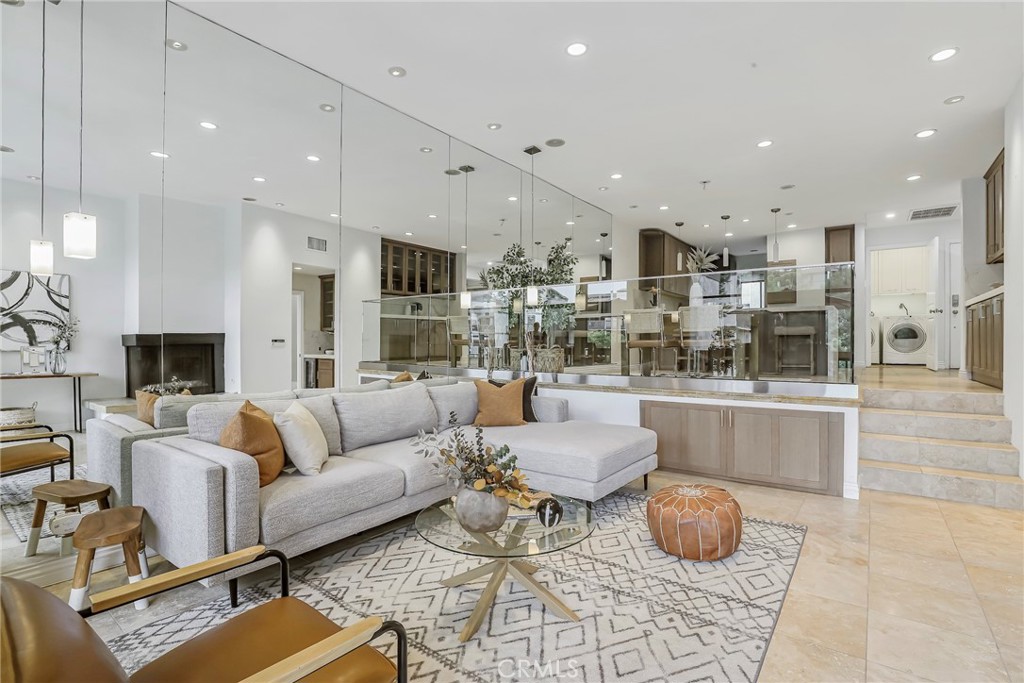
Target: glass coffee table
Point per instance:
(522, 536)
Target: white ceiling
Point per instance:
(670, 94)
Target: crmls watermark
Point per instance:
(526, 669)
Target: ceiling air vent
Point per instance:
(936, 212)
(316, 244)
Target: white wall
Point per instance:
(807, 248)
(357, 327)
(1013, 205)
(270, 242)
(97, 296)
(978, 275)
(309, 285)
(193, 258)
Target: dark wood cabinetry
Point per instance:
(327, 303)
(798, 449)
(994, 188)
(411, 269)
(985, 341)
(663, 255)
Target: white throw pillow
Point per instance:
(304, 441)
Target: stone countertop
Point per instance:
(324, 356)
(983, 297)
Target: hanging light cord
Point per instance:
(81, 97)
(42, 134)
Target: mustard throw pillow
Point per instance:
(145, 403)
(499, 406)
(404, 377)
(251, 431)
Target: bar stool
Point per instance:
(71, 494)
(117, 526)
(784, 332)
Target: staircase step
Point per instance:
(978, 456)
(935, 425)
(980, 488)
(977, 402)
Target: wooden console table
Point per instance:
(76, 388)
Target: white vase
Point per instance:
(696, 292)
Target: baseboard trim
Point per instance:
(851, 491)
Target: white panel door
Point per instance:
(954, 312)
(936, 328)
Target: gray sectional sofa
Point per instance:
(203, 500)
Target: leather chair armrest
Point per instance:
(319, 654)
(38, 436)
(29, 425)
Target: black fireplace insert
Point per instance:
(197, 359)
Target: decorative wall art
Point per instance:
(33, 308)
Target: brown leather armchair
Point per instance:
(34, 451)
(282, 640)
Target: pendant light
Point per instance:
(466, 298)
(679, 252)
(725, 249)
(40, 253)
(775, 247)
(80, 228)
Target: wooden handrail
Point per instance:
(320, 654)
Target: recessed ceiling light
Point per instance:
(634, 206)
(375, 227)
(728, 234)
(944, 54)
(297, 268)
(603, 188)
(914, 177)
(494, 126)
(32, 177)
(598, 239)
(175, 44)
(396, 71)
(765, 143)
(208, 125)
(576, 49)
(490, 263)
(431, 215)
(890, 215)
(746, 220)
(462, 247)
(955, 99)
(426, 150)
(555, 142)
(326, 107)
(408, 234)
(706, 225)
(513, 199)
(663, 208)
(570, 222)
(278, 203)
(5, 148)
(334, 215)
(312, 157)
(610, 248)
(160, 155)
(452, 171)
(258, 179)
(616, 176)
(926, 133)
(542, 200)
(248, 199)
(791, 226)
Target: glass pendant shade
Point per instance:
(725, 258)
(775, 251)
(581, 299)
(532, 296)
(517, 306)
(40, 257)
(465, 300)
(79, 235)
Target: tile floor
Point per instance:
(888, 588)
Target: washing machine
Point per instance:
(874, 326)
(905, 340)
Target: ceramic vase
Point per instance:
(696, 292)
(480, 511)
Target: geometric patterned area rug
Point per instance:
(645, 615)
(17, 503)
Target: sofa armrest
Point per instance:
(241, 489)
(109, 448)
(550, 409)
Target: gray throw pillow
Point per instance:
(380, 416)
(460, 399)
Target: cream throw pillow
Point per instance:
(304, 441)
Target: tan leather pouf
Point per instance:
(696, 521)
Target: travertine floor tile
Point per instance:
(931, 652)
(879, 673)
(845, 581)
(959, 612)
(790, 659)
(945, 575)
(832, 624)
(911, 541)
(1006, 619)
(1013, 659)
(996, 584)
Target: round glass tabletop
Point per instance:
(522, 534)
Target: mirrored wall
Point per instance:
(247, 205)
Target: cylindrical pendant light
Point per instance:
(80, 228)
(725, 249)
(40, 252)
(775, 247)
(679, 252)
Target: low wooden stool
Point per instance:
(117, 526)
(70, 493)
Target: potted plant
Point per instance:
(63, 334)
(700, 260)
(488, 476)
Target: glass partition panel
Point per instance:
(250, 214)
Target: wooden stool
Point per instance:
(118, 526)
(71, 494)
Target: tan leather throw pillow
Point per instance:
(252, 431)
(499, 406)
(404, 377)
(145, 403)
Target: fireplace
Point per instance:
(194, 358)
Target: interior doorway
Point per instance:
(298, 329)
(955, 336)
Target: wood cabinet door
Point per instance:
(750, 433)
(324, 373)
(327, 303)
(689, 436)
(994, 227)
(787, 447)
